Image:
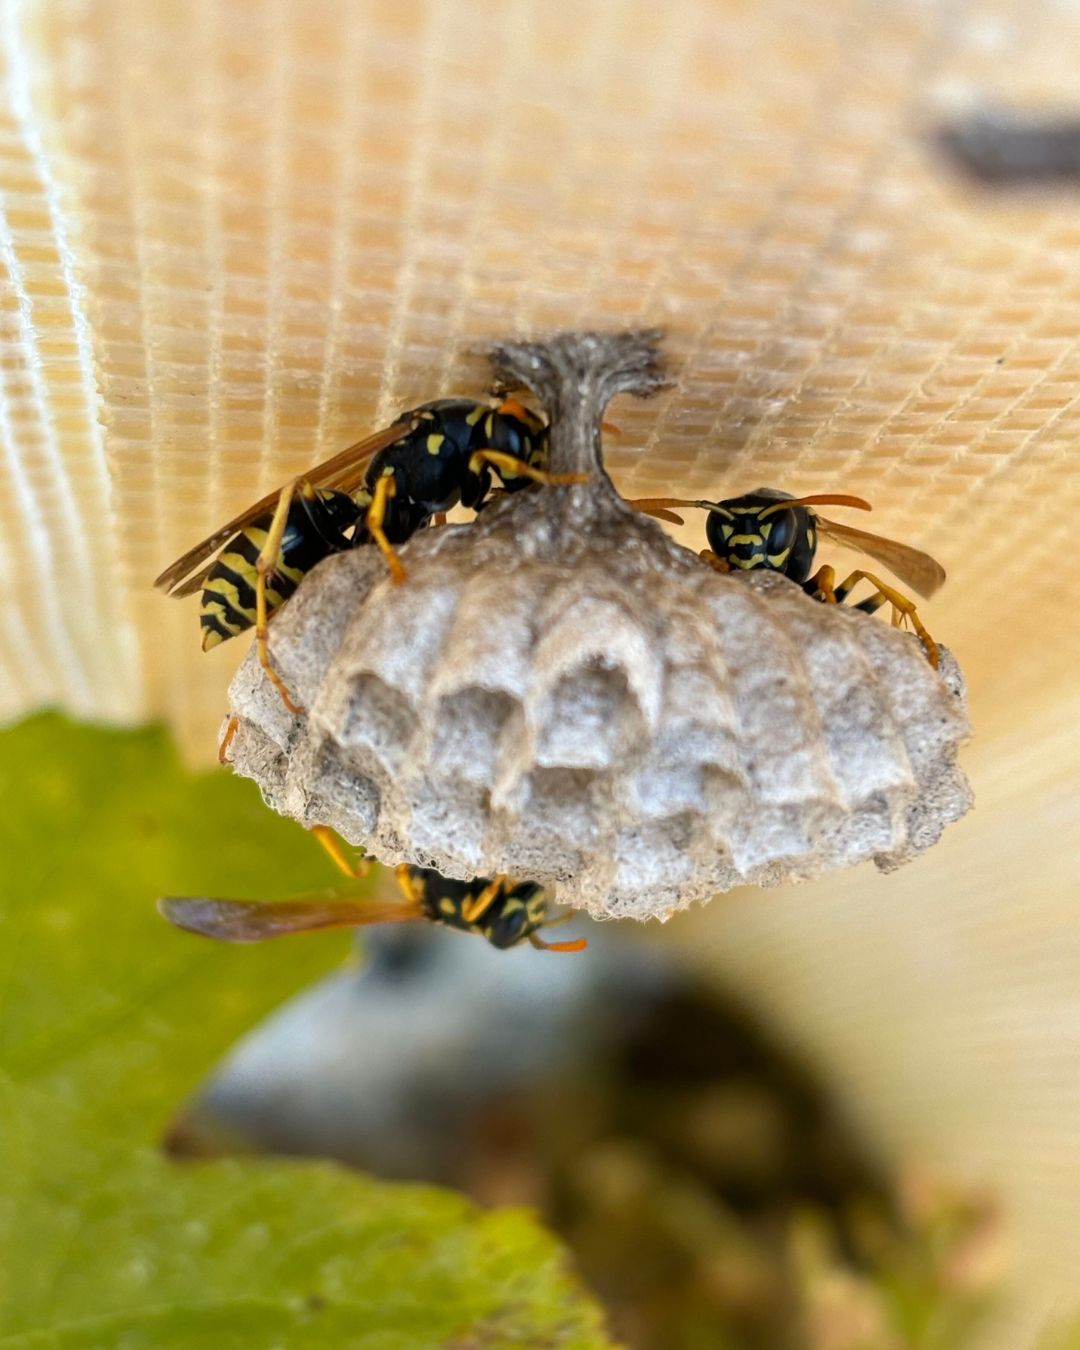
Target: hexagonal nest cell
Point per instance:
(560, 691)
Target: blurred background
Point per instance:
(239, 233)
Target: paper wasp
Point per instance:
(503, 911)
(771, 530)
(380, 490)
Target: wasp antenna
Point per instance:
(575, 945)
(832, 499)
(648, 504)
(818, 499)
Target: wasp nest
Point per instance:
(560, 691)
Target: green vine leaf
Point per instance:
(104, 1246)
(101, 1002)
(108, 1018)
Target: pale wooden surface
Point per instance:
(238, 234)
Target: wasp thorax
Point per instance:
(559, 691)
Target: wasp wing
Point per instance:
(342, 471)
(194, 583)
(256, 920)
(914, 567)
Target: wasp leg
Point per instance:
(903, 608)
(480, 904)
(265, 565)
(385, 488)
(510, 466)
(873, 603)
(714, 560)
(411, 887)
(330, 842)
(227, 740)
(577, 945)
(822, 586)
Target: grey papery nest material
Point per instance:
(559, 691)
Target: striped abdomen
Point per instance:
(312, 532)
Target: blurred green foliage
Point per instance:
(108, 1018)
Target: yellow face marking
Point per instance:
(778, 560)
(435, 442)
(727, 531)
(766, 528)
(476, 414)
(754, 540)
(489, 426)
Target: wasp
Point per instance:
(771, 530)
(504, 912)
(380, 490)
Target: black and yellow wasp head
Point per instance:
(522, 913)
(769, 530)
(763, 530)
